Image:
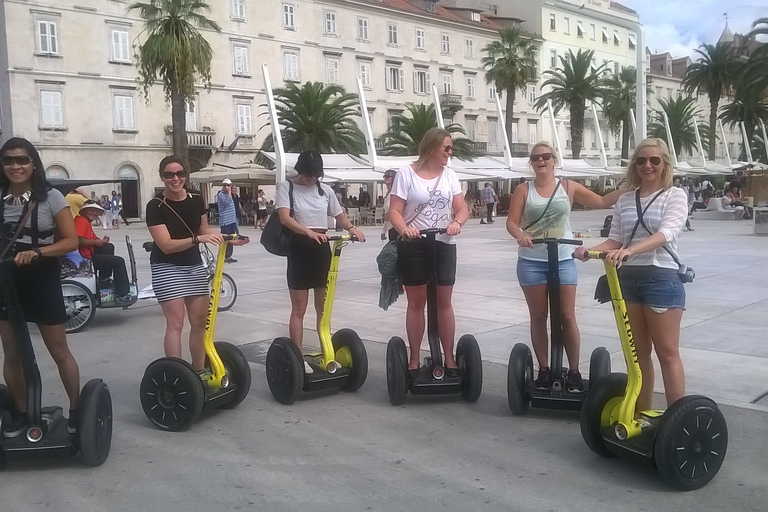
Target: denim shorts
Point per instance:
(661, 292)
(533, 272)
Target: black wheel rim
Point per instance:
(169, 399)
(698, 445)
(280, 372)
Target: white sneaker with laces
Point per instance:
(308, 369)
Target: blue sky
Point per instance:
(680, 26)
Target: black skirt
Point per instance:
(308, 263)
(38, 288)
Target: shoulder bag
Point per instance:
(276, 238)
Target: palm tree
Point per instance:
(712, 74)
(511, 65)
(681, 113)
(618, 101)
(316, 116)
(750, 105)
(404, 137)
(573, 84)
(175, 52)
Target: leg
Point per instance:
(299, 300)
(414, 322)
(643, 345)
(174, 323)
(319, 305)
(55, 338)
(489, 207)
(113, 265)
(571, 335)
(197, 312)
(536, 298)
(664, 330)
(446, 324)
(12, 369)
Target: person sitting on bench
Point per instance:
(101, 252)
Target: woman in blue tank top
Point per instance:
(533, 215)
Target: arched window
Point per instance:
(56, 172)
(127, 172)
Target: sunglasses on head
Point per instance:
(169, 175)
(8, 160)
(543, 156)
(641, 160)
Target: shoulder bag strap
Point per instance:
(163, 201)
(24, 218)
(290, 195)
(557, 185)
(431, 195)
(642, 222)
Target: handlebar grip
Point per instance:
(235, 237)
(437, 231)
(598, 255)
(351, 238)
(568, 241)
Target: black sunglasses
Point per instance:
(8, 160)
(169, 175)
(543, 156)
(655, 160)
(448, 149)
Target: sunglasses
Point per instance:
(543, 156)
(19, 160)
(169, 175)
(448, 149)
(641, 160)
(389, 176)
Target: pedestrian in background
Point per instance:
(227, 215)
(490, 199)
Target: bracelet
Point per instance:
(458, 222)
(350, 228)
(195, 240)
(37, 250)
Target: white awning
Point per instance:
(580, 26)
(632, 40)
(606, 35)
(616, 36)
(337, 167)
(249, 173)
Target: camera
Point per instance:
(686, 273)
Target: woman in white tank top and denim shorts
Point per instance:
(529, 218)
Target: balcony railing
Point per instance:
(451, 101)
(480, 148)
(519, 149)
(200, 139)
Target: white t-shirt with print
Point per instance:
(427, 212)
(310, 209)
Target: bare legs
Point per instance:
(662, 332)
(197, 312)
(55, 339)
(538, 307)
(415, 322)
(299, 302)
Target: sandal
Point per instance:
(452, 372)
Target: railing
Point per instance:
(451, 101)
(480, 148)
(378, 143)
(200, 139)
(519, 149)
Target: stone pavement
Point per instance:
(341, 451)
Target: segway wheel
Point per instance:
(691, 443)
(95, 428)
(285, 370)
(599, 364)
(397, 370)
(228, 294)
(238, 370)
(519, 378)
(604, 396)
(470, 367)
(79, 304)
(172, 394)
(350, 352)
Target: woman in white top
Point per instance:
(427, 194)
(649, 278)
(530, 217)
(310, 255)
(386, 226)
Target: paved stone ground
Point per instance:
(341, 451)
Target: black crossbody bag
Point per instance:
(276, 238)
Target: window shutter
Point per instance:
(42, 27)
(416, 81)
(54, 47)
(402, 79)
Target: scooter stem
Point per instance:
(217, 366)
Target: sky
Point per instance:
(680, 26)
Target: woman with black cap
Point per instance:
(309, 259)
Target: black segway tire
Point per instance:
(397, 370)
(691, 443)
(172, 394)
(470, 364)
(606, 393)
(238, 370)
(285, 370)
(350, 352)
(599, 364)
(519, 378)
(95, 422)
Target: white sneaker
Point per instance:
(308, 369)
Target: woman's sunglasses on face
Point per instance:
(448, 149)
(169, 175)
(543, 156)
(8, 160)
(389, 176)
(641, 160)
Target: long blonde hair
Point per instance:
(667, 175)
(432, 140)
